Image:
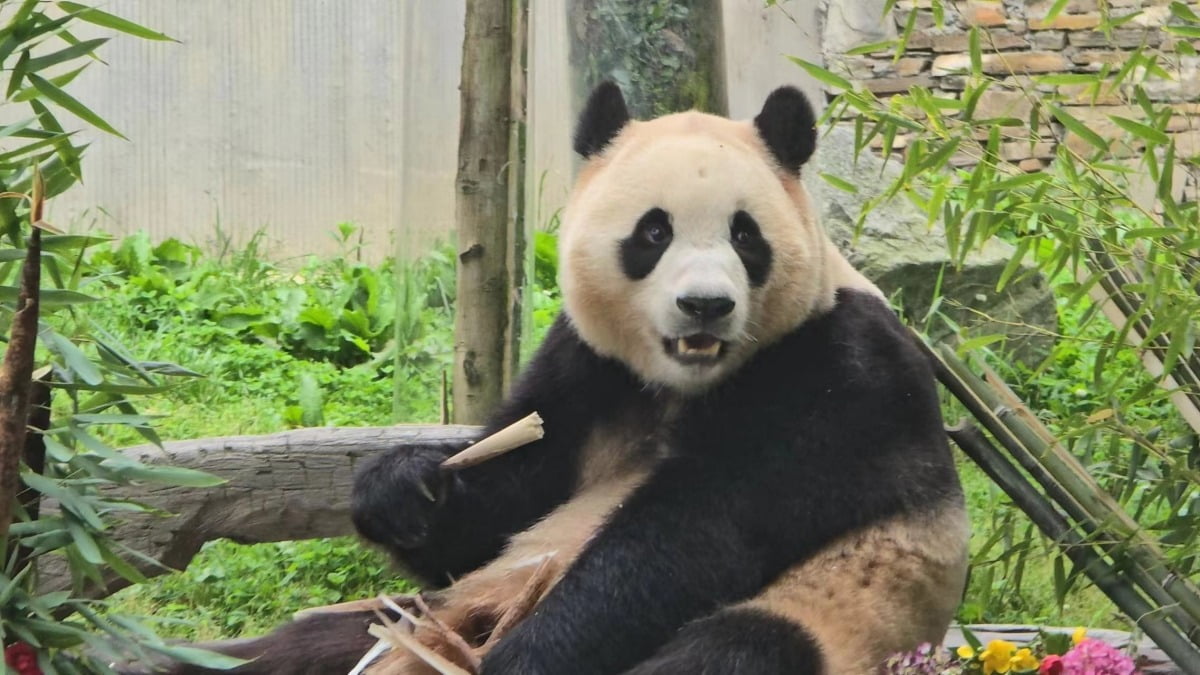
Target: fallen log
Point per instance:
(281, 487)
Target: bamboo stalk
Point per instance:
(972, 442)
(1069, 485)
(1145, 567)
(522, 432)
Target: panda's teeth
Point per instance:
(711, 349)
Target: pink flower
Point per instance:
(1095, 657)
(1051, 665)
(22, 658)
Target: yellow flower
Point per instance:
(1023, 661)
(1079, 635)
(997, 657)
(965, 652)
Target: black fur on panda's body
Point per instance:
(831, 430)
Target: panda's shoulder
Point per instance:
(860, 332)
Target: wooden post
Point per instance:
(484, 318)
(518, 227)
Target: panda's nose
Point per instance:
(705, 308)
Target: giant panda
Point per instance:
(744, 468)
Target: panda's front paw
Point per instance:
(397, 495)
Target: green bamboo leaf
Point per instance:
(1184, 31)
(107, 418)
(977, 343)
(84, 543)
(839, 183)
(31, 148)
(163, 474)
(1056, 9)
(1078, 128)
(1014, 262)
(1142, 131)
(16, 127)
(49, 297)
(1060, 581)
(975, 51)
(824, 76)
(1182, 11)
(92, 15)
(197, 656)
(72, 356)
(30, 93)
(75, 51)
(71, 243)
(121, 566)
(19, 72)
(1059, 79)
(881, 46)
(72, 105)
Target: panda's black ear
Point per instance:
(603, 117)
(787, 124)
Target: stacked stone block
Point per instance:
(1019, 40)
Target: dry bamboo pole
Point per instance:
(972, 442)
(1067, 483)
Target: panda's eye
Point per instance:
(654, 227)
(655, 234)
(744, 231)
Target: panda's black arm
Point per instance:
(570, 386)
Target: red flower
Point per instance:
(1051, 665)
(22, 658)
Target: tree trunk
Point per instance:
(519, 262)
(483, 309)
(16, 375)
(667, 55)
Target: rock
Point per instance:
(896, 250)
(895, 85)
(986, 14)
(1003, 63)
(1066, 22)
(846, 25)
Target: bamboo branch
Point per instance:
(1067, 483)
(972, 442)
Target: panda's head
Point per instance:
(689, 241)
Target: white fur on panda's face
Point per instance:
(684, 250)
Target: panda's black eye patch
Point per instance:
(751, 247)
(642, 249)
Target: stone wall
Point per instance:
(1019, 41)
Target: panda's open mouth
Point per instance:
(700, 348)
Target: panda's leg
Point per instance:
(738, 640)
(871, 593)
